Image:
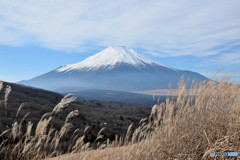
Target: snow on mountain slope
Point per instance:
(109, 57)
(115, 68)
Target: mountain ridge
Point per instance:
(115, 68)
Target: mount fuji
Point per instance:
(115, 68)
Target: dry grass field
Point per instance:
(26, 105)
(187, 126)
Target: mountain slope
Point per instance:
(115, 68)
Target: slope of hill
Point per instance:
(115, 68)
(93, 113)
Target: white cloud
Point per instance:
(167, 28)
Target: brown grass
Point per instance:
(187, 126)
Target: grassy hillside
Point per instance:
(189, 127)
(24, 105)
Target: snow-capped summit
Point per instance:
(108, 58)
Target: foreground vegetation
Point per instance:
(188, 126)
(26, 105)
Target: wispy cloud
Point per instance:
(165, 28)
(232, 58)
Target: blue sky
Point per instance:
(39, 36)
